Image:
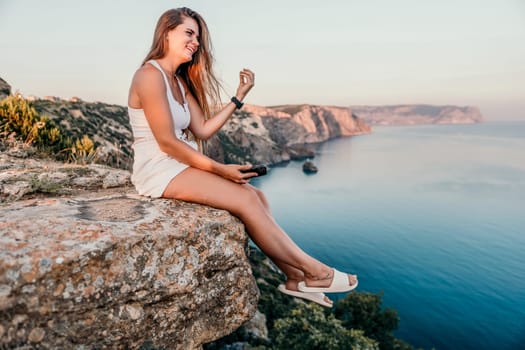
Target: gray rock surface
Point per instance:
(119, 271)
(22, 174)
(256, 327)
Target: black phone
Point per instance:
(259, 169)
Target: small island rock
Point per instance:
(309, 167)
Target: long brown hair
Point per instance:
(198, 73)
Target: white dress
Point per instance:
(153, 169)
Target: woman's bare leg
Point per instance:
(293, 275)
(194, 185)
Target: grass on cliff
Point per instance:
(20, 123)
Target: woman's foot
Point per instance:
(328, 280)
(324, 279)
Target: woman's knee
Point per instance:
(260, 194)
(249, 200)
(263, 199)
(252, 195)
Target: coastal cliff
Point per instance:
(282, 133)
(266, 135)
(418, 114)
(256, 134)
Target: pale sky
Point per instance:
(330, 52)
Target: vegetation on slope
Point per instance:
(21, 124)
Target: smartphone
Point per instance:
(259, 169)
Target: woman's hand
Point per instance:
(246, 82)
(233, 173)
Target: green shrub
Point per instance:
(19, 118)
(83, 151)
(363, 311)
(309, 328)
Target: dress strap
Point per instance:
(157, 65)
(166, 80)
(181, 87)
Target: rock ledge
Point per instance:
(120, 271)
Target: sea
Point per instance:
(430, 216)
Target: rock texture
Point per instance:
(100, 267)
(22, 174)
(299, 124)
(121, 271)
(418, 114)
(5, 89)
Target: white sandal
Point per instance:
(339, 284)
(315, 297)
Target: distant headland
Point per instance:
(418, 114)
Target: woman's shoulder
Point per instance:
(148, 70)
(147, 74)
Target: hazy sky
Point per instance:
(331, 52)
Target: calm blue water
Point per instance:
(432, 216)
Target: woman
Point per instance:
(171, 95)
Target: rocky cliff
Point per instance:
(418, 114)
(255, 134)
(5, 89)
(110, 269)
(276, 134)
(107, 125)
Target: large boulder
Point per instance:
(121, 271)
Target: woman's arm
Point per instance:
(204, 129)
(149, 86)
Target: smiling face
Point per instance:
(183, 40)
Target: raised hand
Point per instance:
(246, 82)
